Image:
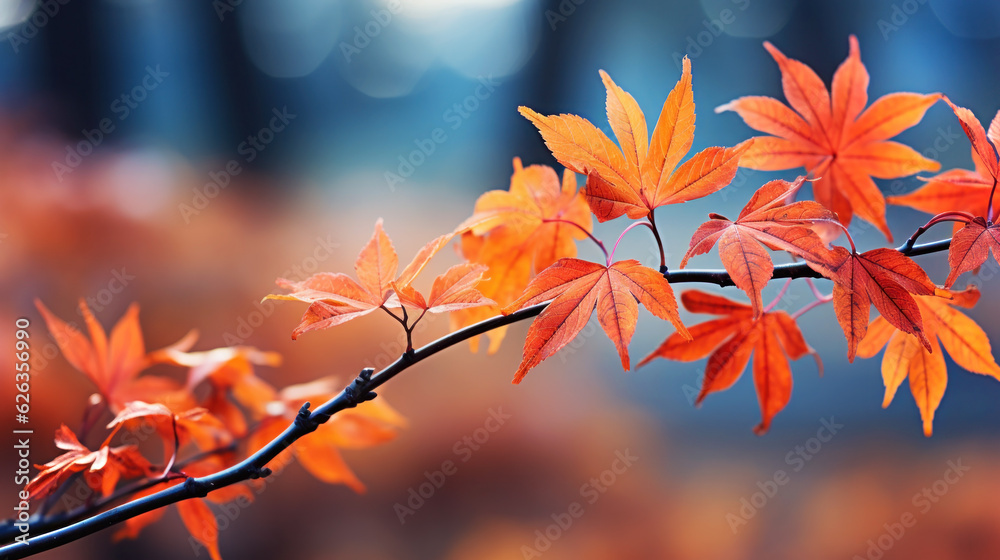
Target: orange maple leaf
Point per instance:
(229, 372)
(771, 338)
(960, 192)
(176, 430)
(370, 423)
(955, 190)
(905, 357)
(769, 219)
(114, 364)
(104, 467)
(335, 298)
(643, 174)
(836, 140)
(884, 278)
(576, 287)
(970, 246)
(518, 233)
(451, 291)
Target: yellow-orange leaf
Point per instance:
(113, 365)
(516, 234)
(451, 291)
(904, 357)
(335, 298)
(641, 175)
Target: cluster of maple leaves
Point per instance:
(519, 248)
(520, 244)
(221, 412)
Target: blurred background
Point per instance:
(185, 154)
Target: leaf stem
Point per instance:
(659, 242)
(812, 305)
(780, 295)
(989, 209)
(953, 216)
(408, 329)
(815, 290)
(599, 243)
(177, 446)
(629, 228)
(841, 226)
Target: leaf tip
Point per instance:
(725, 107)
(854, 48)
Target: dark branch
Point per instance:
(793, 270)
(360, 390)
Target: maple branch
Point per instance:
(792, 270)
(360, 390)
(43, 524)
(254, 466)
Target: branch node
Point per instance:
(357, 392)
(304, 420)
(261, 472)
(196, 488)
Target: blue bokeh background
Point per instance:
(368, 83)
